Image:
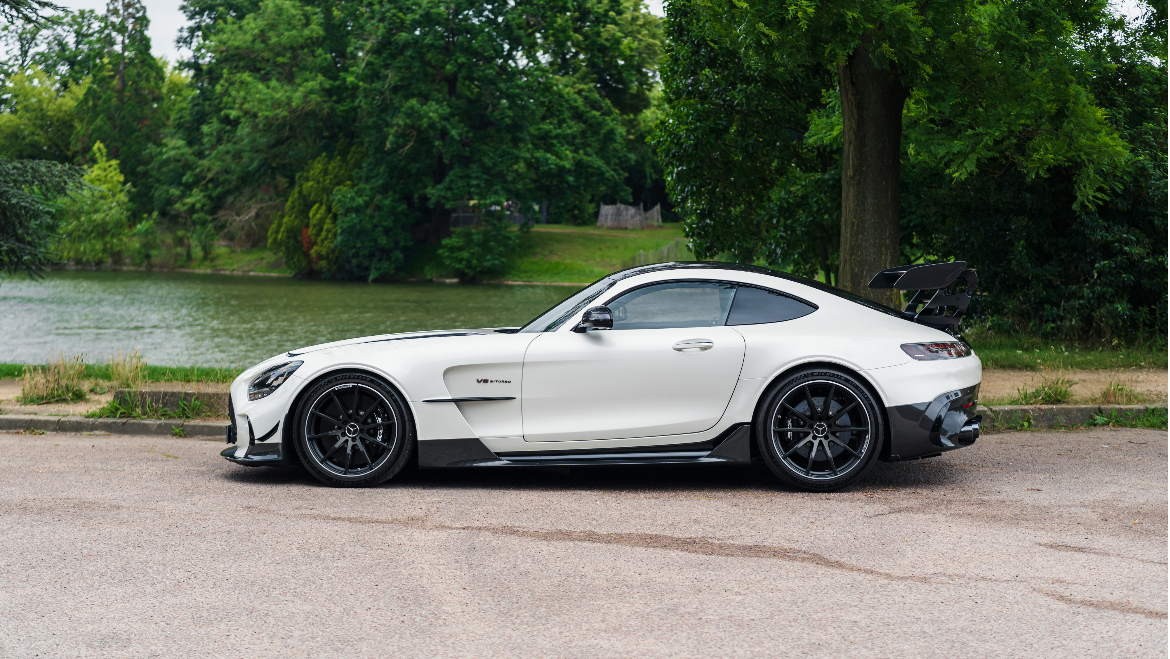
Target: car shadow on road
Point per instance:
(920, 474)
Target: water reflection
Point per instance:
(184, 318)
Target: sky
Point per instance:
(166, 20)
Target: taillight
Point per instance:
(928, 351)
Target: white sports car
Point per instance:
(666, 363)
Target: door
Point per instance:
(668, 367)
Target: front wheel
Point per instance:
(819, 430)
(353, 430)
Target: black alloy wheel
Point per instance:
(353, 430)
(819, 430)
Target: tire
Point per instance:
(353, 430)
(813, 451)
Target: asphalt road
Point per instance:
(1043, 544)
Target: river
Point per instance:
(182, 319)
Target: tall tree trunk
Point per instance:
(871, 108)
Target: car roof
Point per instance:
(739, 267)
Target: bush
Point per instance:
(472, 252)
(97, 227)
(58, 382)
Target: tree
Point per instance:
(742, 164)
(27, 223)
(26, 11)
(497, 103)
(306, 233)
(121, 107)
(41, 119)
(967, 83)
(96, 227)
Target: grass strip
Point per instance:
(1031, 354)
(149, 373)
(1151, 417)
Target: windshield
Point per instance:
(555, 317)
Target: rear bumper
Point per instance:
(922, 430)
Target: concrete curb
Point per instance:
(81, 424)
(1023, 417)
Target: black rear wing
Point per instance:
(937, 291)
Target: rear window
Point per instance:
(756, 306)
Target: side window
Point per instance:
(755, 306)
(673, 304)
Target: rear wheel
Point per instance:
(353, 430)
(819, 430)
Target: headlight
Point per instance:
(271, 379)
(929, 351)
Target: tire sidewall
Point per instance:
(403, 449)
(771, 397)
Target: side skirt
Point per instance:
(733, 446)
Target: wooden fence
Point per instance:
(620, 216)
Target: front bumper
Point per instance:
(924, 430)
(256, 455)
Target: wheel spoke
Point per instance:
(340, 407)
(784, 430)
(370, 411)
(331, 419)
(832, 463)
(371, 439)
(357, 398)
(843, 445)
(802, 443)
(812, 407)
(829, 401)
(325, 434)
(348, 457)
(797, 413)
(812, 454)
(369, 462)
(335, 447)
(378, 425)
(841, 411)
(851, 429)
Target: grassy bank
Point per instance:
(1032, 354)
(557, 253)
(103, 372)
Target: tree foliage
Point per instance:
(96, 223)
(28, 189)
(122, 105)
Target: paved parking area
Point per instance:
(1042, 544)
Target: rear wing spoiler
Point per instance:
(937, 291)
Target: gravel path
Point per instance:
(1048, 544)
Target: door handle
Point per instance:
(697, 345)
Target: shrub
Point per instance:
(58, 382)
(127, 370)
(475, 251)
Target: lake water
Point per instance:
(230, 320)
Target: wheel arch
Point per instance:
(288, 440)
(860, 375)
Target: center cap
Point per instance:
(820, 429)
(352, 430)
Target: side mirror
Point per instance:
(595, 318)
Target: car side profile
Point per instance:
(668, 363)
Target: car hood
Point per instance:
(403, 336)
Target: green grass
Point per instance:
(257, 259)
(150, 373)
(557, 253)
(1032, 354)
(141, 409)
(1151, 417)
